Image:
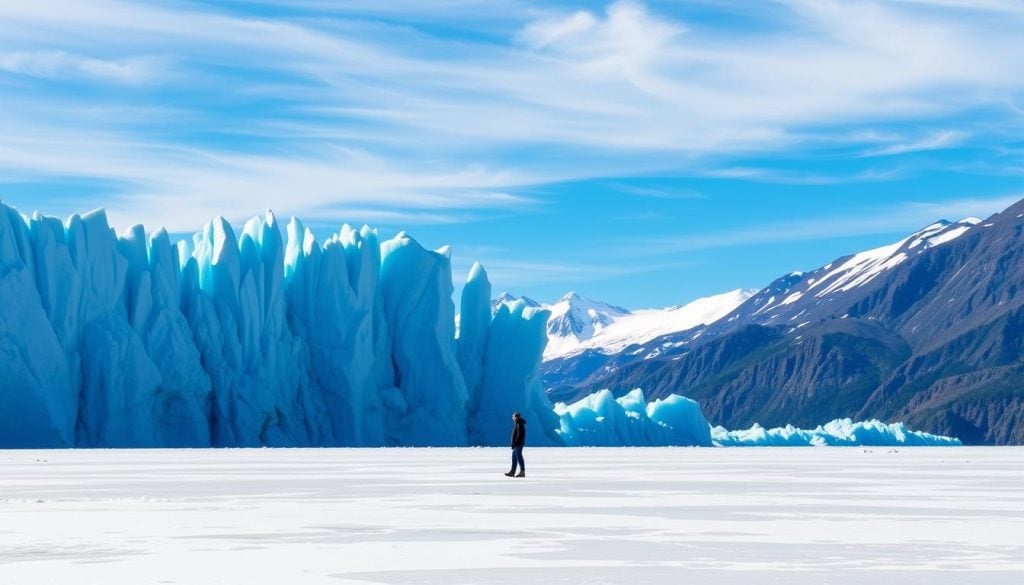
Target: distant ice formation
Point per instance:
(838, 433)
(601, 420)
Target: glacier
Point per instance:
(269, 337)
(266, 337)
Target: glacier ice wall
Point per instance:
(428, 404)
(500, 355)
(264, 337)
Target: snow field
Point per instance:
(667, 515)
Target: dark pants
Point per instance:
(517, 459)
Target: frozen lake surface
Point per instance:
(448, 516)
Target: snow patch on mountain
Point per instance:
(576, 319)
(848, 273)
(579, 323)
(644, 325)
(864, 267)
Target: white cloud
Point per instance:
(58, 64)
(660, 192)
(355, 113)
(1013, 7)
(934, 141)
(505, 273)
(556, 31)
(889, 220)
(627, 41)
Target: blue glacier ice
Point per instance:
(500, 355)
(266, 337)
(427, 405)
(601, 420)
(837, 433)
(269, 337)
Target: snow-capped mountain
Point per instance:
(507, 299)
(796, 296)
(928, 330)
(575, 315)
(578, 324)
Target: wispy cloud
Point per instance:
(933, 141)
(660, 192)
(507, 273)
(899, 219)
(364, 106)
(58, 64)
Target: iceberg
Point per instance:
(601, 420)
(838, 433)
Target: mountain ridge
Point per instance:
(928, 330)
(579, 323)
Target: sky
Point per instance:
(641, 153)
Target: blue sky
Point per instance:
(640, 153)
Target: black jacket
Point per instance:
(519, 433)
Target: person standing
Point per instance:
(518, 442)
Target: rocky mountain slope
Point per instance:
(928, 330)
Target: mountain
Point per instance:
(579, 324)
(507, 299)
(805, 297)
(928, 330)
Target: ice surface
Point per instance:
(838, 433)
(448, 516)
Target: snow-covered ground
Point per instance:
(447, 516)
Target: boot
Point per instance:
(521, 474)
(509, 474)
